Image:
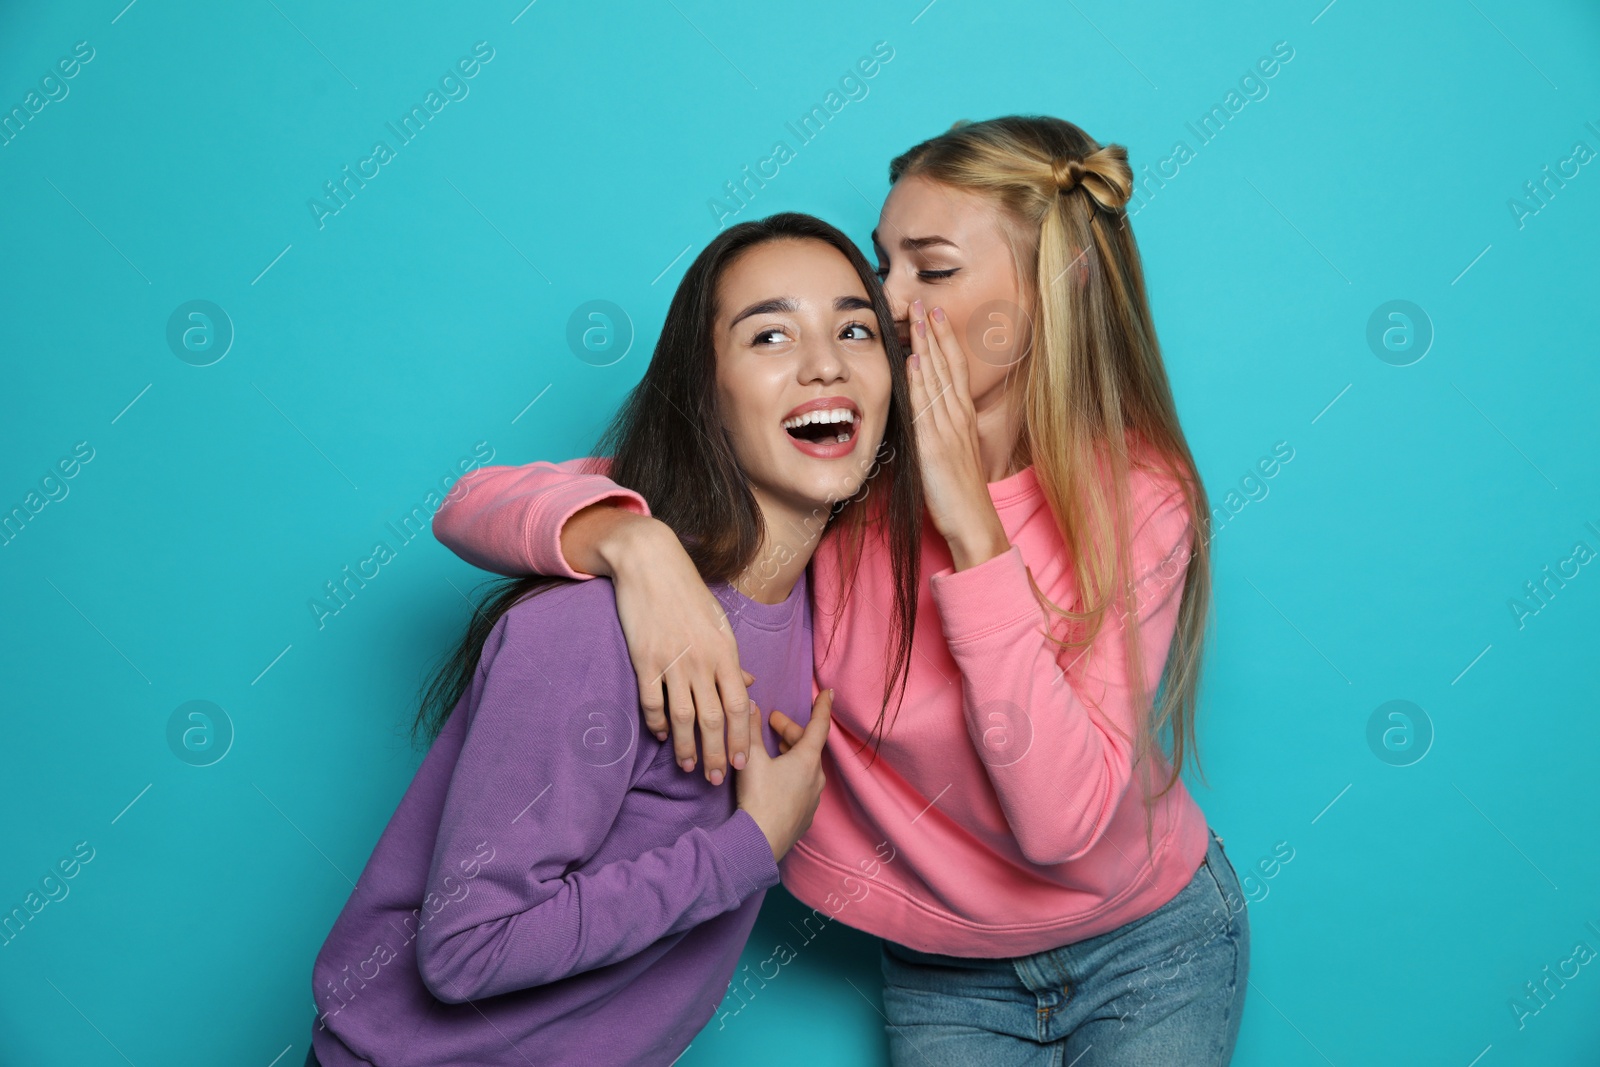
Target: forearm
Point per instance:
(978, 541)
(594, 918)
(1056, 744)
(511, 520)
(600, 538)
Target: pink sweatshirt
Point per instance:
(1001, 817)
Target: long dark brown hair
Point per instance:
(668, 443)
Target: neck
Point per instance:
(792, 533)
(999, 415)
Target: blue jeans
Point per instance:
(1167, 988)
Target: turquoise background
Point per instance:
(372, 354)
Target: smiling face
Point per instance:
(949, 248)
(803, 381)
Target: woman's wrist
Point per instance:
(627, 537)
(969, 548)
(602, 537)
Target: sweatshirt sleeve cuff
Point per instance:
(559, 503)
(747, 851)
(993, 597)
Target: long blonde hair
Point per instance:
(1095, 400)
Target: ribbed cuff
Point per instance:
(994, 596)
(742, 844)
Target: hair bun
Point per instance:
(1103, 174)
(1067, 173)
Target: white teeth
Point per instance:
(822, 415)
(842, 438)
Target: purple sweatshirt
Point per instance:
(552, 888)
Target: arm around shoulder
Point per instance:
(510, 520)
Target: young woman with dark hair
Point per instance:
(551, 889)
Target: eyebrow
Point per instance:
(916, 244)
(787, 303)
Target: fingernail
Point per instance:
(716, 777)
(916, 305)
(738, 761)
(687, 765)
(914, 361)
(922, 328)
(938, 313)
(661, 735)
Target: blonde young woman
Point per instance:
(1045, 888)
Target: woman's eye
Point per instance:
(857, 332)
(772, 336)
(883, 273)
(935, 275)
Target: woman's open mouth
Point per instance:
(825, 428)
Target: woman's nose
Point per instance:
(822, 363)
(900, 298)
